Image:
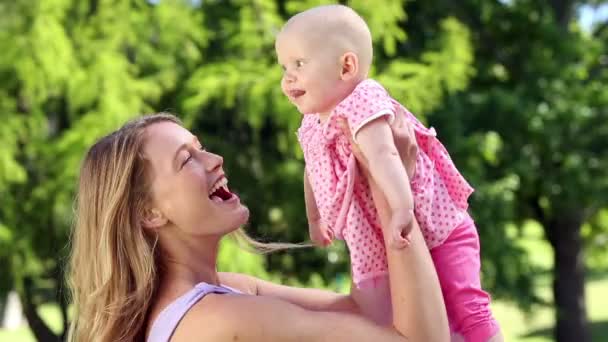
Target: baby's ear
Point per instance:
(350, 66)
(153, 218)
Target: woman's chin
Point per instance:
(241, 216)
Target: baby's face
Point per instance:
(311, 73)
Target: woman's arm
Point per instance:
(264, 319)
(419, 313)
(373, 303)
(310, 299)
(418, 305)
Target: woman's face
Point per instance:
(188, 183)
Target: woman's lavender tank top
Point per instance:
(166, 322)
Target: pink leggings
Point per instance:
(458, 264)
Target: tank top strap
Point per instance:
(167, 321)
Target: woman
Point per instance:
(152, 206)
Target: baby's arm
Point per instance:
(375, 140)
(319, 233)
(312, 212)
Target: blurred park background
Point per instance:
(518, 91)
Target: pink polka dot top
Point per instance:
(344, 199)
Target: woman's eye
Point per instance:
(187, 160)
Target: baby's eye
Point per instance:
(299, 63)
(283, 67)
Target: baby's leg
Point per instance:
(468, 305)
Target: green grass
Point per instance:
(50, 314)
(537, 326)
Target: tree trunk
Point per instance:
(564, 234)
(39, 328)
(62, 299)
(563, 10)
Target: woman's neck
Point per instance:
(191, 262)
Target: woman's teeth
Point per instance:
(221, 183)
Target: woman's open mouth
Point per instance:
(219, 192)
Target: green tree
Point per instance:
(536, 125)
(74, 70)
(71, 72)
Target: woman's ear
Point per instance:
(350, 66)
(153, 218)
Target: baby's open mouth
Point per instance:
(219, 192)
(294, 94)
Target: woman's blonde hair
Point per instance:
(113, 271)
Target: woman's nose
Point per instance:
(212, 161)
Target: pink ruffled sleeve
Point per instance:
(366, 103)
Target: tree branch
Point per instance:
(600, 29)
(39, 328)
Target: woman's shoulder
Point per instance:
(177, 303)
(240, 282)
(231, 317)
(216, 316)
(213, 318)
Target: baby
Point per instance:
(326, 53)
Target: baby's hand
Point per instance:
(400, 228)
(320, 234)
